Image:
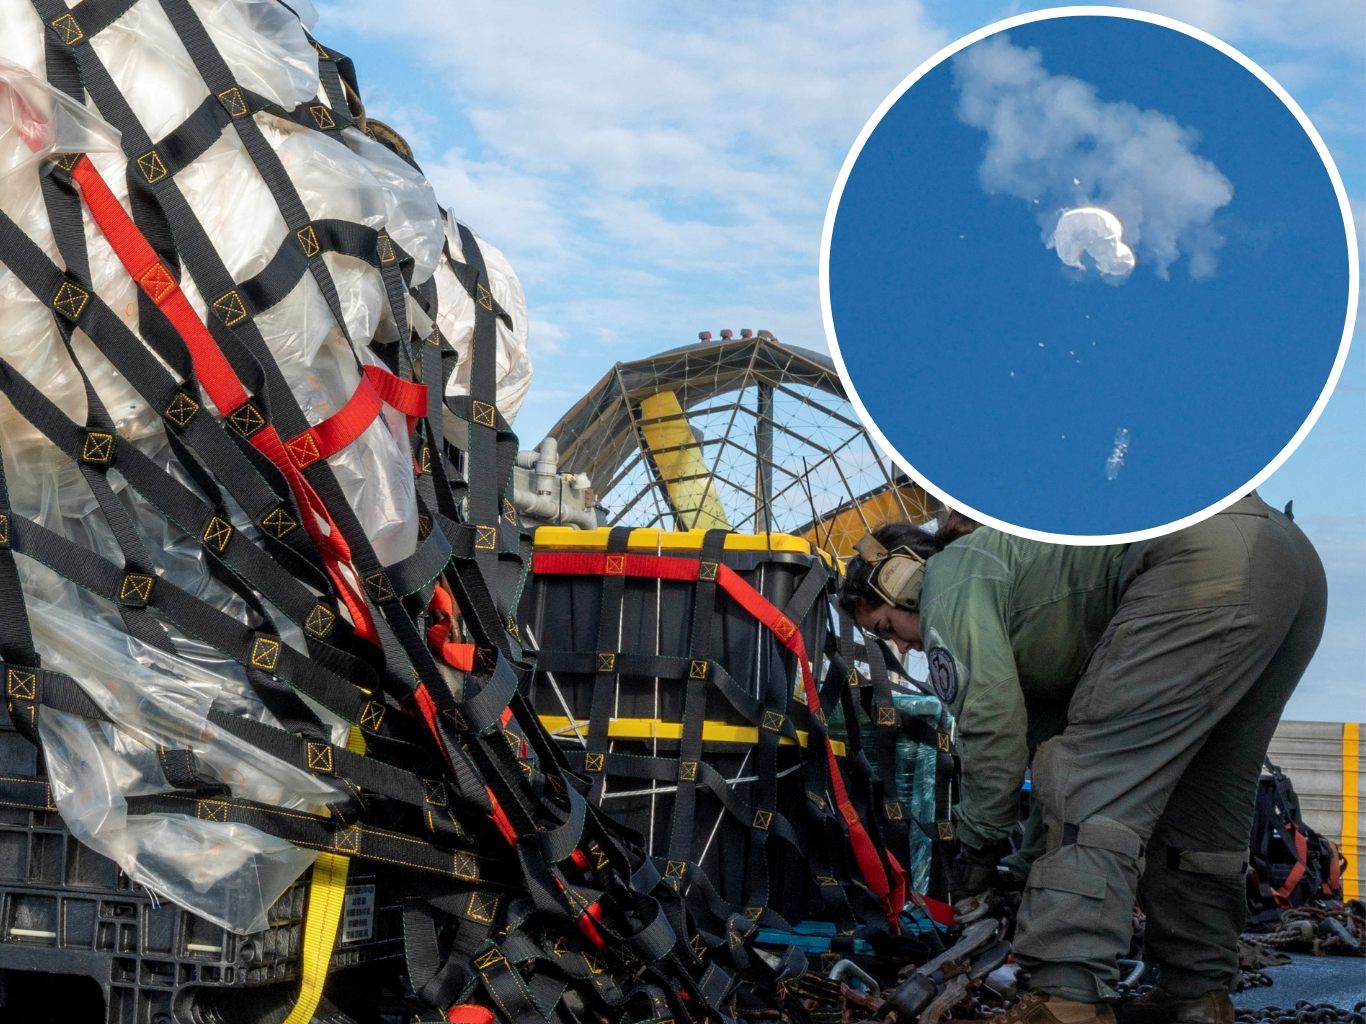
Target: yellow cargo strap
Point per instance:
(678, 457)
(665, 541)
(1351, 838)
(657, 729)
(326, 895)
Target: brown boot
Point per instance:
(1158, 1006)
(1041, 1008)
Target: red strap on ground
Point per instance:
(469, 1013)
(886, 881)
(1334, 882)
(940, 913)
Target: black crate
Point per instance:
(80, 938)
(564, 614)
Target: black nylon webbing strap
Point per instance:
(679, 849)
(605, 665)
(665, 770)
(214, 69)
(886, 719)
(233, 328)
(194, 618)
(328, 834)
(330, 72)
(273, 567)
(16, 639)
(161, 391)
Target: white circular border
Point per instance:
(1353, 281)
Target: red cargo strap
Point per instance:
(469, 1013)
(940, 912)
(1297, 869)
(376, 388)
(441, 611)
(145, 267)
(887, 882)
(1334, 884)
(225, 390)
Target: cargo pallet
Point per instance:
(82, 943)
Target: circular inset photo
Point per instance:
(1089, 277)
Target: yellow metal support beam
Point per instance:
(678, 458)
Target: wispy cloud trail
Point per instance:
(1054, 143)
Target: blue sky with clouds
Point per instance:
(653, 171)
(941, 256)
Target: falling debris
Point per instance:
(1117, 454)
(1095, 232)
(1076, 181)
(1041, 344)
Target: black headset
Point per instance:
(896, 575)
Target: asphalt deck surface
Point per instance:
(1338, 980)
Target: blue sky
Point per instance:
(1036, 365)
(652, 173)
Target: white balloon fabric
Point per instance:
(1096, 232)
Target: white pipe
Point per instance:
(547, 466)
(547, 506)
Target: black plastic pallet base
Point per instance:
(81, 943)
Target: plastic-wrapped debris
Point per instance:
(258, 555)
(1095, 232)
(319, 342)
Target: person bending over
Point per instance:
(1151, 677)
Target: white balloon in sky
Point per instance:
(1096, 232)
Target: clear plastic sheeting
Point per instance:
(225, 872)
(228, 873)
(1095, 232)
(37, 121)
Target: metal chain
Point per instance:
(1304, 1012)
(1335, 928)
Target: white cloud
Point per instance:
(1303, 24)
(518, 212)
(1052, 140)
(676, 137)
(544, 337)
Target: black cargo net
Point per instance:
(520, 899)
(457, 786)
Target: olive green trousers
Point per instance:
(1149, 790)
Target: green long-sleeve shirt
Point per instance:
(1008, 625)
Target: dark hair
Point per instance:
(856, 592)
